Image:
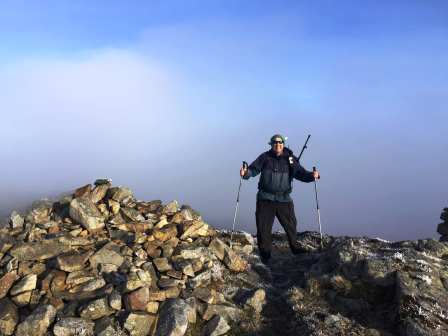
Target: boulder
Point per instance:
(108, 254)
(96, 309)
(139, 324)
(73, 326)
(38, 322)
(138, 299)
(171, 208)
(120, 194)
(99, 192)
(216, 326)
(84, 211)
(72, 262)
(173, 318)
(42, 250)
(27, 283)
(16, 221)
(234, 262)
(6, 283)
(9, 317)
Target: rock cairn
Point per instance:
(442, 228)
(100, 262)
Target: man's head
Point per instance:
(277, 143)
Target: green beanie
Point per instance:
(275, 136)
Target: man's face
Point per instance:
(277, 146)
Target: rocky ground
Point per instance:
(100, 262)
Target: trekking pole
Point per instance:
(318, 211)
(304, 147)
(237, 203)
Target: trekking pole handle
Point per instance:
(245, 165)
(314, 169)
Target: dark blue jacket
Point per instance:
(277, 173)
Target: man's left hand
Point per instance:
(316, 175)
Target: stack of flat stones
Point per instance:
(100, 262)
(442, 228)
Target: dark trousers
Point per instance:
(265, 214)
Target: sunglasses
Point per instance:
(277, 142)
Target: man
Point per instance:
(278, 167)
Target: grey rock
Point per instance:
(218, 247)
(132, 215)
(27, 283)
(73, 261)
(173, 318)
(16, 221)
(102, 181)
(84, 211)
(38, 322)
(99, 192)
(257, 300)
(115, 300)
(108, 254)
(162, 264)
(227, 311)
(202, 279)
(45, 249)
(120, 194)
(96, 309)
(216, 326)
(9, 317)
(170, 208)
(73, 326)
(139, 324)
(105, 327)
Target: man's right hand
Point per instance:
(243, 171)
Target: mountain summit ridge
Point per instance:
(100, 262)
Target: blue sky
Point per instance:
(168, 97)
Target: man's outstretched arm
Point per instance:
(304, 175)
(254, 168)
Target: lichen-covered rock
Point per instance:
(234, 262)
(96, 309)
(73, 326)
(6, 282)
(16, 221)
(256, 300)
(84, 211)
(27, 283)
(218, 247)
(9, 317)
(120, 194)
(42, 250)
(171, 208)
(73, 261)
(139, 324)
(38, 322)
(109, 254)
